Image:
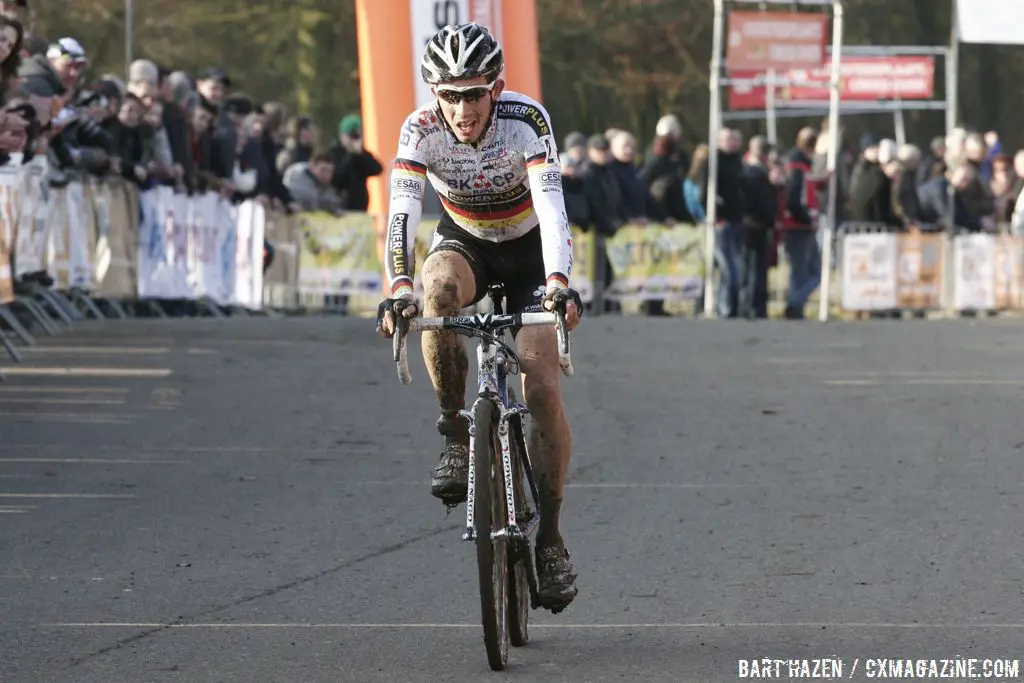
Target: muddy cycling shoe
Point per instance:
(450, 478)
(555, 578)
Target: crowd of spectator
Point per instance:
(769, 198)
(166, 127)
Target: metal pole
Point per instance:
(770, 113)
(833, 152)
(952, 102)
(128, 28)
(714, 125)
(900, 126)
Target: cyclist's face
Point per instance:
(466, 105)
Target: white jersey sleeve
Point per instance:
(405, 207)
(545, 176)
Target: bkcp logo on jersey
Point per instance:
(481, 182)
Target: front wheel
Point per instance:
(520, 555)
(489, 515)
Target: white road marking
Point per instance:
(87, 372)
(65, 495)
(98, 461)
(665, 625)
(594, 485)
(63, 390)
(65, 401)
(118, 350)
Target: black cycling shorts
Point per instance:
(517, 265)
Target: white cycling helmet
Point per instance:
(460, 52)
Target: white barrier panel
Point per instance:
(80, 239)
(33, 226)
(189, 248)
(974, 272)
(252, 225)
(869, 271)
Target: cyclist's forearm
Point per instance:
(556, 237)
(406, 208)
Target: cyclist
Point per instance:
(491, 156)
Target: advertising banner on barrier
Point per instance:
(248, 290)
(116, 240)
(1009, 271)
(338, 255)
(974, 272)
(80, 239)
(10, 205)
(919, 274)
(33, 225)
(188, 248)
(869, 271)
(656, 262)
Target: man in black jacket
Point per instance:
(731, 233)
(353, 165)
(761, 208)
(605, 205)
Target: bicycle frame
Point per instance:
(492, 381)
(496, 361)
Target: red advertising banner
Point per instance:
(861, 79)
(776, 40)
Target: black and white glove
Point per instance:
(390, 309)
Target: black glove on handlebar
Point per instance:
(396, 306)
(561, 297)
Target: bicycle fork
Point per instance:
(511, 530)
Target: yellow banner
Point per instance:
(657, 262)
(338, 255)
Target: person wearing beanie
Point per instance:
(353, 164)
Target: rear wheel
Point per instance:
(489, 515)
(519, 556)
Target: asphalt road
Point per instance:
(247, 500)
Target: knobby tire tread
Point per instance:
(488, 515)
(520, 555)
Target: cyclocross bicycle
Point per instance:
(499, 525)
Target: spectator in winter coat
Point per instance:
(872, 198)
(664, 182)
(936, 155)
(730, 209)
(603, 191)
(935, 200)
(576, 208)
(908, 208)
(310, 184)
(800, 224)
(299, 144)
(761, 210)
(635, 197)
(353, 165)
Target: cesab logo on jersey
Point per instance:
(481, 182)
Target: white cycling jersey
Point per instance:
(499, 190)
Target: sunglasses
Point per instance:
(470, 93)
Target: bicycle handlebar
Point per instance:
(472, 325)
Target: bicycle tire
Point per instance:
(520, 555)
(489, 514)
